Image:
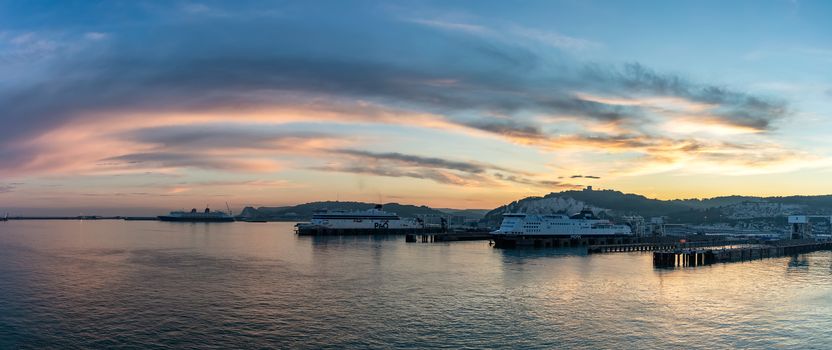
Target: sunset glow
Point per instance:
(160, 105)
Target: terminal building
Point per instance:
(803, 227)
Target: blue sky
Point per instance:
(152, 104)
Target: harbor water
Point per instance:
(147, 284)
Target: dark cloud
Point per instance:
(584, 177)
(591, 109)
(612, 141)
(256, 183)
(733, 107)
(510, 128)
(218, 136)
(442, 177)
(440, 170)
(162, 159)
(178, 160)
(227, 61)
(537, 183)
(427, 162)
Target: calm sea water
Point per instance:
(113, 284)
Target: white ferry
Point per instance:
(582, 224)
(363, 221)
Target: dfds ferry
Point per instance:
(582, 224)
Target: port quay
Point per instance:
(684, 257)
(668, 252)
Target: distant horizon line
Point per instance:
(127, 211)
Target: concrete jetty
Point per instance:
(448, 237)
(702, 256)
(462, 236)
(600, 244)
(660, 245)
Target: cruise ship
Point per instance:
(583, 224)
(358, 222)
(196, 216)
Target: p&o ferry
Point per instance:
(369, 221)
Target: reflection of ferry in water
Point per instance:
(368, 221)
(583, 224)
(195, 216)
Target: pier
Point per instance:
(605, 244)
(449, 237)
(697, 257)
(659, 245)
(632, 247)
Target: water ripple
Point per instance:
(144, 285)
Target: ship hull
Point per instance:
(184, 219)
(515, 241)
(325, 231)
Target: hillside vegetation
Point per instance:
(607, 203)
(710, 210)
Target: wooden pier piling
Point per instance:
(701, 256)
(655, 246)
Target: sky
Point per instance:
(140, 106)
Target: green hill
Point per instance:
(608, 202)
(616, 203)
(572, 201)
